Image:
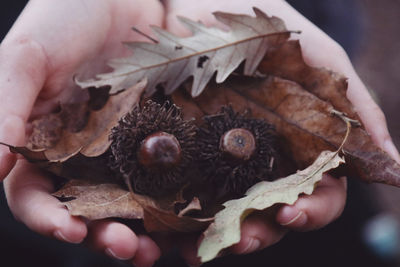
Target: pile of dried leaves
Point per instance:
(273, 84)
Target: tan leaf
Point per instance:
(99, 201)
(225, 230)
(173, 59)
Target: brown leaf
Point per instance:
(287, 62)
(94, 200)
(173, 59)
(303, 119)
(99, 201)
(194, 205)
(92, 140)
(159, 216)
(46, 132)
(74, 149)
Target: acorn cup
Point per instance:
(152, 146)
(236, 152)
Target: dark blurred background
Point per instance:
(367, 234)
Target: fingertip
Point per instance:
(188, 246)
(291, 216)
(257, 232)
(148, 252)
(74, 231)
(114, 239)
(315, 211)
(246, 245)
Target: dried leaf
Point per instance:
(173, 59)
(225, 230)
(302, 117)
(79, 150)
(99, 201)
(159, 216)
(194, 205)
(94, 200)
(92, 140)
(287, 62)
(46, 132)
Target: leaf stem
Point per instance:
(349, 123)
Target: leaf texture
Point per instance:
(225, 230)
(301, 111)
(173, 59)
(99, 201)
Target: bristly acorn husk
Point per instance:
(228, 175)
(127, 139)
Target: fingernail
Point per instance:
(290, 215)
(391, 149)
(253, 245)
(112, 254)
(60, 236)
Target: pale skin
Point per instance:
(51, 42)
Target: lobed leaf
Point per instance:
(174, 59)
(225, 230)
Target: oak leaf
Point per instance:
(173, 59)
(225, 230)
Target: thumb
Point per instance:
(22, 74)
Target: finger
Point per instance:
(257, 232)
(147, 253)
(188, 247)
(371, 115)
(21, 77)
(317, 210)
(28, 195)
(113, 238)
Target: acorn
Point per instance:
(152, 146)
(236, 151)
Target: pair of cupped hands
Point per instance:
(54, 40)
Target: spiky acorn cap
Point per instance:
(236, 151)
(151, 148)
